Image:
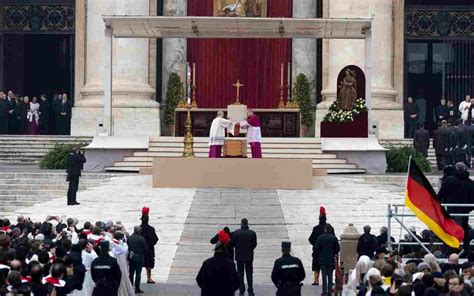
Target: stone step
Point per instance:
(205, 154)
(35, 198)
(57, 175)
(334, 166)
(346, 171)
(264, 145)
(264, 150)
(24, 153)
(265, 140)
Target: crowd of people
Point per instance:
(20, 115)
(56, 257)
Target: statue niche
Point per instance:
(350, 86)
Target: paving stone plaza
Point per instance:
(186, 219)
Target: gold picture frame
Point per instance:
(240, 8)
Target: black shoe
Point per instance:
(139, 291)
(75, 203)
(251, 294)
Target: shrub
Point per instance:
(303, 90)
(397, 159)
(173, 96)
(56, 158)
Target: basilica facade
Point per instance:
(422, 48)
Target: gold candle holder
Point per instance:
(188, 151)
(281, 104)
(194, 102)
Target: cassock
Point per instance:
(22, 112)
(4, 108)
(44, 117)
(421, 141)
(12, 117)
(254, 135)
(217, 136)
(64, 117)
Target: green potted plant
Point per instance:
(173, 96)
(303, 90)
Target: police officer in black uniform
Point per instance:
(288, 273)
(75, 163)
(105, 273)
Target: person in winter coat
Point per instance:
(317, 231)
(421, 140)
(367, 243)
(105, 272)
(149, 234)
(244, 241)
(459, 189)
(224, 236)
(217, 276)
(327, 247)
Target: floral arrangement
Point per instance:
(336, 114)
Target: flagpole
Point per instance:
(403, 209)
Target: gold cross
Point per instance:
(238, 85)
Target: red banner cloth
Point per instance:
(256, 62)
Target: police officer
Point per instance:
(288, 273)
(105, 273)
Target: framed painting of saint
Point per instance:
(240, 8)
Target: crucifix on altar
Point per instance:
(238, 85)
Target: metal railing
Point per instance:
(393, 212)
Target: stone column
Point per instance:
(304, 50)
(349, 239)
(134, 110)
(174, 49)
(351, 52)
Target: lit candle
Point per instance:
(296, 73)
(194, 74)
(281, 74)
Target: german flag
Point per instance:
(423, 201)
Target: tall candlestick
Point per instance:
(194, 74)
(188, 84)
(281, 74)
(289, 73)
(296, 73)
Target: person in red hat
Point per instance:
(317, 231)
(224, 236)
(149, 234)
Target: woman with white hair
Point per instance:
(357, 275)
(432, 262)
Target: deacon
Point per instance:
(288, 272)
(254, 134)
(217, 134)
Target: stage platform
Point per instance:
(265, 173)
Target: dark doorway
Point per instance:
(39, 63)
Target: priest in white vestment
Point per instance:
(217, 134)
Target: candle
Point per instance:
(281, 75)
(188, 84)
(296, 73)
(289, 73)
(194, 74)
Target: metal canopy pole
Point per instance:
(368, 75)
(108, 51)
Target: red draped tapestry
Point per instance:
(256, 62)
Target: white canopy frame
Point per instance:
(226, 27)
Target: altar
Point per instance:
(275, 123)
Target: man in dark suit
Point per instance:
(44, 116)
(244, 242)
(327, 247)
(288, 272)
(441, 144)
(367, 243)
(63, 112)
(105, 273)
(12, 117)
(75, 163)
(4, 108)
(421, 140)
(136, 247)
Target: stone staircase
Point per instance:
(272, 148)
(409, 142)
(30, 149)
(24, 189)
